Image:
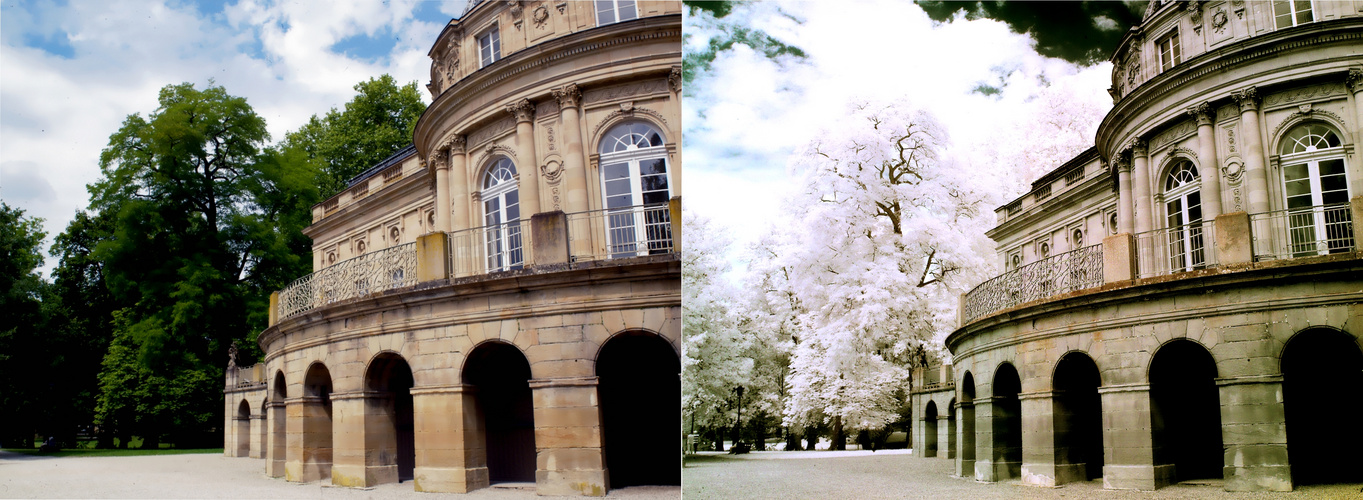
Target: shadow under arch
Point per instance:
(952, 408)
(1185, 410)
(1322, 402)
(967, 439)
(277, 416)
(1078, 418)
(1007, 422)
(930, 429)
(243, 429)
(389, 422)
(317, 423)
(639, 385)
(504, 409)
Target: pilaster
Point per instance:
(1209, 169)
(349, 456)
(1128, 443)
(1254, 433)
(1256, 175)
(451, 453)
(568, 438)
(278, 440)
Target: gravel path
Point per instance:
(898, 474)
(212, 476)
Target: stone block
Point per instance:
(1260, 478)
(591, 483)
(450, 479)
(570, 459)
(432, 257)
(1233, 239)
(560, 334)
(1119, 258)
(549, 238)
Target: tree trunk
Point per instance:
(839, 439)
(811, 438)
(792, 441)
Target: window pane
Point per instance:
(627, 10)
(653, 183)
(655, 197)
(617, 187)
(1282, 14)
(1299, 201)
(1298, 187)
(1303, 11)
(605, 12)
(1329, 167)
(1333, 197)
(1294, 172)
(621, 171)
(618, 201)
(654, 166)
(1333, 183)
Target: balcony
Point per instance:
(546, 240)
(1232, 242)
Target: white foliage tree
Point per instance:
(715, 356)
(889, 234)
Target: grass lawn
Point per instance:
(112, 453)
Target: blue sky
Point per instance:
(71, 71)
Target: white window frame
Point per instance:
(611, 8)
(1173, 55)
(637, 215)
(1293, 11)
(489, 46)
(1312, 158)
(1186, 248)
(499, 229)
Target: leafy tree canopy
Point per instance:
(1079, 32)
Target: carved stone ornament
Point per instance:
(394, 234)
(540, 16)
(562, 7)
(1123, 160)
(1203, 113)
(1248, 99)
(1139, 147)
(567, 95)
(1219, 19)
(1194, 9)
(515, 7)
(523, 110)
(1233, 169)
(1354, 80)
(675, 78)
(456, 143)
(552, 171)
(232, 355)
(549, 130)
(441, 159)
(1239, 8)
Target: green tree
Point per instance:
(374, 125)
(21, 324)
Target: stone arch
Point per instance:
(634, 330)
(278, 424)
(639, 388)
(1006, 423)
(503, 410)
(242, 424)
(1171, 159)
(317, 423)
(951, 428)
(1322, 392)
(1078, 418)
(645, 115)
(389, 420)
(1185, 410)
(966, 441)
(1327, 118)
(930, 429)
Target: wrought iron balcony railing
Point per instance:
(615, 233)
(490, 249)
(1302, 232)
(1176, 249)
(373, 272)
(1067, 272)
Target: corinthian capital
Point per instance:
(1354, 80)
(523, 110)
(440, 159)
(567, 96)
(1248, 98)
(1203, 113)
(1138, 147)
(455, 144)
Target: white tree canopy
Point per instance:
(714, 358)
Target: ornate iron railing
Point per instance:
(1302, 232)
(373, 272)
(489, 249)
(615, 233)
(1067, 272)
(1176, 249)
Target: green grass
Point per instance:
(112, 453)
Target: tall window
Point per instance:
(1289, 13)
(614, 11)
(634, 180)
(1316, 190)
(1183, 204)
(1169, 51)
(489, 47)
(502, 215)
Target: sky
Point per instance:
(71, 72)
(745, 116)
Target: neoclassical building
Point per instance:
(1185, 299)
(500, 301)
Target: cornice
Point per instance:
(370, 205)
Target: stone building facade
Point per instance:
(500, 301)
(1184, 300)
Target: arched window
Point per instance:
(1183, 204)
(502, 215)
(1315, 190)
(634, 180)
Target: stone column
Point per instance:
(1256, 174)
(348, 440)
(1210, 169)
(1125, 201)
(459, 184)
(965, 430)
(568, 438)
(440, 161)
(1128, 443)
(574, 157)
(311, 458)
(451, 453)
(277, 449)
(258, 434)
(1354, 82)
(674, 79)
(1140, 190)
(1039, 451)
(1254, 433)
(529, 169)
(984, 440)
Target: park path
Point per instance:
(214, 476)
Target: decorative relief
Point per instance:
(495, 150)
(1194, 9)
(1219, 19)
(494, 129)
(627, 110)
(549, 131)
(523, 110)
(1230, 139)
(1304, 112)
(675, 78)
(1172, 134)
(547, 109)
(1248, 99)
(1176, 153)
(567, 95)
(1307, 93)
(1354, 80)
(1233, 169)
(552, 169)
(558, 204)
(540, 16)
(1239, 6)
(1139, 147)
(1202, 113)
(456, 143)
(627, 90)
(515, 7)
(562, 7)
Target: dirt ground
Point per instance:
(899, 474)
(214, 476)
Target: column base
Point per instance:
(1258, 478)
(965, 468)
(450, 479)
(989, 472)
(589, 483)
(1137, 477)
(275, 468)
(1052, 475)
(314, 471)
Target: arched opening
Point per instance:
(1007, 422)
(278, 418)
(502, 216)
(317, 437)
(1315, 192)
(243, 429)
(636, 183)
(1078, 414)
(640, 389)
(951, 429)
(388, 423)
(1185, 411)
(505, 410)
(1183, 214)
(1322, 402)
(930, 429)
(967, 440)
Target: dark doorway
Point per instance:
(967, 441)
(502, 377)
(1078, 414)
(317, 423)
(389, 381)
(243, 422)
(951, 429)
(640, 389)
(1185, 411)
(1007, 421)
(930, 429)
(1322, 402)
